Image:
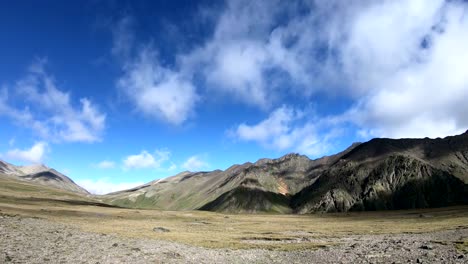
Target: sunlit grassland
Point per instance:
(215, 230)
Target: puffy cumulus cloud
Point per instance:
(195, 163)
(157, 91)
(35, 154)
(288, 129)
(243, 58)
(236, 69)
(104, 185)
(400, 65)
(48, 111)
(418, 79)
(146, 160)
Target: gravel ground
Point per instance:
(33, 240)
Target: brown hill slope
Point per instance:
(40, 174)
(261, 181)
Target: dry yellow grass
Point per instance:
(207, 229)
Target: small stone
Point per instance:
(115, 245)
(418, 261)
(460, 256)
(429, 254)
(428, 247)
(161, 230)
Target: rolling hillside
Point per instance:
(40, 174)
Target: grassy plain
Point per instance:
(215, 230)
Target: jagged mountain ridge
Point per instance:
(377, 175)
(40, 174)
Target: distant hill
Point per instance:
(380, 174)
(40, 174)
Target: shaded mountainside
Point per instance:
(249, 200)
(237, 189)
(40, 174)
(193, 190)
(380, 174)
(392, 174)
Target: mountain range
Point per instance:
(381, 174)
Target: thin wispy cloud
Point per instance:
(195, 163)
(49, 111)
(106, 164)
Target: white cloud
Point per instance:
(146, 160)
(104, 186)
(156, 91)
(195, 163)
(416, 92)
(381, 57)
(49, 112)
(238, 58)
(237, 68)
(106, 164)
(287, 129)
(35, 154)
(172, 167)
(123, 38)
(401, 64)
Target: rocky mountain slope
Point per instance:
(40, 174)
(194, 190)
(377, 175)
(392, 174)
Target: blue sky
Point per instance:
(118, 93)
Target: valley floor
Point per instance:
(25, 239)
(46, 225)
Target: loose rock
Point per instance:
(161, 230)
